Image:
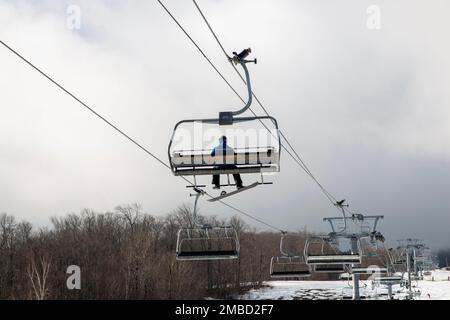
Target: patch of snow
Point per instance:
(433, 287)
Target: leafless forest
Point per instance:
(126, 254)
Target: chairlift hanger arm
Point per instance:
(240, 58)
(249, 91)
(283, 253)
(227, 117)
(340, 204)
(197, 195)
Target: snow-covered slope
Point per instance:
(436, 286)
(439, 289)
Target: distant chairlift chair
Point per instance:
(369, 270)
(399, 262)
(287, 265)
(206, 242)
(320, 251)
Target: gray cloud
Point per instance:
(368, 110)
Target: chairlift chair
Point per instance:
(399, 261)
(355, 225)
(248, 160)
(287, 265)
(388, 280)
(420, 259)
(206, 242)
(367, 270)
(329, 268)
(319, 251)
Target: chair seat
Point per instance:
(282, 274)
(208, 255)
(211, 170)
(333, 259)
(329, 268)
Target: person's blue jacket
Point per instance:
(222, 149)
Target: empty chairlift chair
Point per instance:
(374, 262)
(398, 266)
(399, 263)
(321, 251)
(206, 242)
(287, 265)
(388, 280)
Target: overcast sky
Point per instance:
(368, 110)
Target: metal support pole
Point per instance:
(415, 262)
(390, 291)
(355, 276)
(408, 269)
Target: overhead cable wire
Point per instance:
(296, 158)
(302, 163)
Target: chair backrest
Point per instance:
(264, 156)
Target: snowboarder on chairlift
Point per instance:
(225, 150)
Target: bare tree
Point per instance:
(126, 254)
(38, 274)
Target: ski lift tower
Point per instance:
(421, 260)
(355, 227)
(411, 246)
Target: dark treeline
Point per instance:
(443, 257)
(125, 254)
